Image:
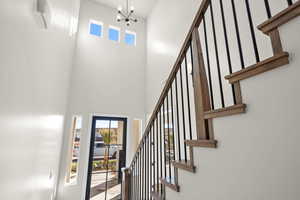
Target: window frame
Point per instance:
(72, 141)
(92, 21)
(117, 29)
(132, 33)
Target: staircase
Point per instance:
(196, 93)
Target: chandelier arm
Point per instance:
(122, 14)
(133, 19)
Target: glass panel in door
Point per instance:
(108, 146)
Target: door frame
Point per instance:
(91, 148)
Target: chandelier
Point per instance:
(127, 15)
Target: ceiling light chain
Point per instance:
(126, 16)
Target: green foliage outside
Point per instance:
(102, 165)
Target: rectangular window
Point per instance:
(130, 38)
(96, 28)
(114, 33)
(73, 158)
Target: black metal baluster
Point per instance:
(164, 136)
(131, 181)
(140, 173)
(208, 65)
(237, 31)
(143, 169)
(252, 31)
(227, 48)
(173, 129)
(161, 150)
(169, 143)
(151, 160)
(188, 95)
(136, 178)
(147, 166)
(134, 181)
(154, 158)
(217, 55)
(183, 115)
(177, 116)
(139, 177)
(157, 164)
(290, 2)
(269, 14)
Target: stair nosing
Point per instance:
(184, 166)
(222, 112)
(172, 186)
(275, 19)
(156, 195)
(234, 77)
(202, 143)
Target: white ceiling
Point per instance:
(142, 7)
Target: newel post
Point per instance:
(126, 184)
(201, 90)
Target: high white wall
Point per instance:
(107, 80)
(167, 27)
(256, 157)
(35, 66)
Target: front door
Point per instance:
(106, 159)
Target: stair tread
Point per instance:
(156, 195)
(169, 184)
(202, 143)
(222, 112)
(185, 165)
(273, 62)
(281, 18)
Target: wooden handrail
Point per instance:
(195, 25)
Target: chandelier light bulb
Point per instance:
(119, 9)
(119, 18)
(132, 9)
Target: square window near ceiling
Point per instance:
(114, 33)
(96, 28)
(130, 38)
